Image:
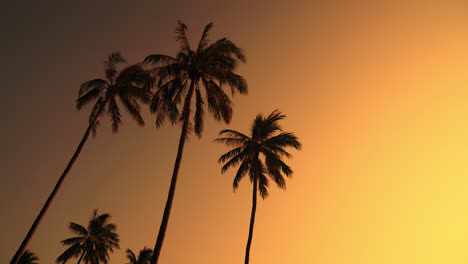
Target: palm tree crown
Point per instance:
(210, 65)
(144, 256)
(93, 244)
(268, 139)
(28, 257)
(123, 84)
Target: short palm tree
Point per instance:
(93, 244)
(267, 139)
(179, 79)
(117, 84)
(144, 257)
(28, 257)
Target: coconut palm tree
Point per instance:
(144, 257)
(28, 257)
(105, 91)
(93, 244)
(267, 139)
(179, 79)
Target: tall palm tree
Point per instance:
(179, 79)
(144, 257)
(116, 84)
(28, 257)
(93, 244)
(268, 139)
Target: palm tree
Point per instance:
(117, 84)
(144, 257)
(267, 138)
(28, 257)
(210, 65)
(92, 245)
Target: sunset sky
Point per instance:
(376, 92)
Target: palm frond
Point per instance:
(234, 134)
(96, 83)
(131, 256)
(275, 149)
(78, 229)
(204, 38)
(219, 103)
(95, 112)
(28, 257)
(133, 109)
(73, 240)
(116, 58)
(241, 172)
(284, 139)
(263, 128)
(160, 59)
(230, 154)
(114, 112)
(274, 165)
(226, 47)
(236, 82)
(72, 252)
(110, 68)
(181, 36)
(235, 142)
(145, 255)
(199, 113)
(263, 186)
(233, 161)
(86, 98)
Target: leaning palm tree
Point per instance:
(179, 79)
(28, 257)
(266, 139)
(116, 84)
(144, 257)
(93, 244)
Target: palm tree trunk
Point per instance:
(175, 173)
(252, 220)
(39, 218)
(82, 255)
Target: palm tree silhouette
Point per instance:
(144, 257)
(117, 84)
(28, 257)
(267, 138)
(92, 244)
(210, 66)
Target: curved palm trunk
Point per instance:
(252, 220)
(175, 173)
(38, 220)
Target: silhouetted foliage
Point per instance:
(28, 257)
(144, 257)
(126, 85)
(266, 140)
(210, 66)
(93, 244)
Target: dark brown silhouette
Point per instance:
(93, 243)
(178, 79)
(116, 85)
(267, 139)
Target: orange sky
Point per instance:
(376, 93)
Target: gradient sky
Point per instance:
(376, 92)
